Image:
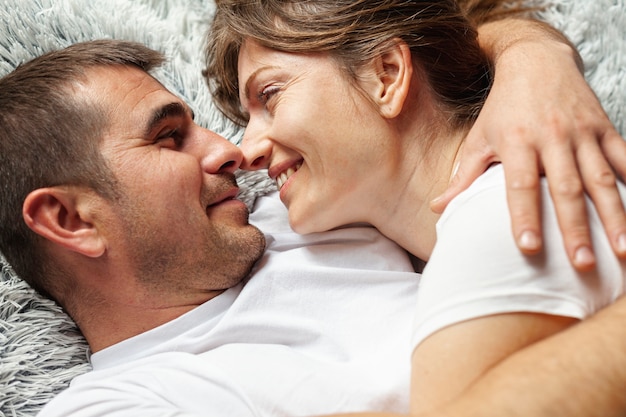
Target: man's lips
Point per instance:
(230, 194)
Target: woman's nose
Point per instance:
(256, 150)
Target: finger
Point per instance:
(614, 148)
(523, 197)
(472, 161)
(566, 190)
(600, 183)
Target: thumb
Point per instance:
(472, 161)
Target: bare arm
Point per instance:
(452, 359)
(542, 116)
(576, 373)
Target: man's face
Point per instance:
(177, 227)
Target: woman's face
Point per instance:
(322, 140)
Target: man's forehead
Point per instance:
(129, 94)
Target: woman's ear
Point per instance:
(393, 74)
(63, 215)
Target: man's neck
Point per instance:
(107, 316)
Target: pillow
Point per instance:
(596, 28)
(41, 349)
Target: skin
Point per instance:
(176, 237)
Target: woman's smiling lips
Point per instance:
(284, 174)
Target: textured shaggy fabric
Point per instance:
(598, 29)
(40, 348)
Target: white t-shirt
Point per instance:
(476, 270)
(322, 326)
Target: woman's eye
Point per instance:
(267, 93)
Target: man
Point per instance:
(137, 228)
(139, 237)
(80, 207)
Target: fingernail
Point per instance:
(621, 243)
(529, 240)
(455, 169)
(584, 256)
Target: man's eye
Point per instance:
(172, 137)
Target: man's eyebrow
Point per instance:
(174, 109)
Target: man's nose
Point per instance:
(219, 155)
(256, 149)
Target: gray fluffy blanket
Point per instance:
(40, 348)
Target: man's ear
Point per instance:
(63, 216)
(394, 72)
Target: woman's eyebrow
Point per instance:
(249, 81)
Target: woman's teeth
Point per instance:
(283, 177)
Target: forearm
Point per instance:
(501, 36)
(500, 28)
(578, 372)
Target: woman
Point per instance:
(555, 109)
(360, 111)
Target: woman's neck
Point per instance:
(425, 172)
